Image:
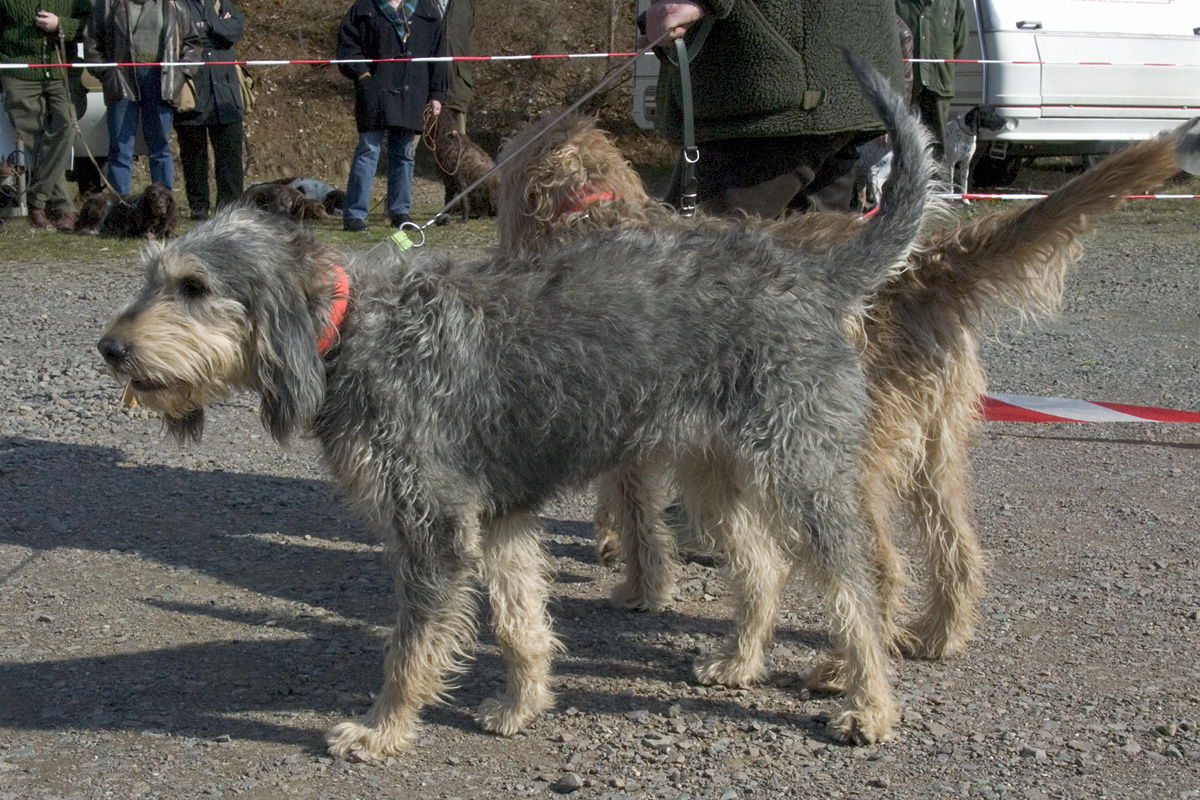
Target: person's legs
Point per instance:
(761, 176)
(156, 126)
(122, 118)
(40, 114)
(362, 175)
(193, 155)
(935, 113)
(227, 149)
(402, 151)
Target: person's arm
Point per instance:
(225, 27)
(960, 28)
(350, 45)
(95, 38)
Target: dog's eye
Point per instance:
(192, 288)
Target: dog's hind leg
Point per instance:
(629, 522)
(724, 510)
(815, 488)
(435, 574)
(954, 561)
(516, 571)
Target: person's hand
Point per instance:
(435, 106)
(672, 17)
(46, 21)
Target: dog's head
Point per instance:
(984, 117)
(157, 213)
(273, 198)
(546, 165)
(235, 303)
(94, 211)
(334, 201)
(306, 208)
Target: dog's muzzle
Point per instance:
(115, 351)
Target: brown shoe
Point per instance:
(66, 222)
(38, 219)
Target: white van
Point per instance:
(1075, 77)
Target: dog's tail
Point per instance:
(860, 265)
(1017, 260)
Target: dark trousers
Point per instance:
(40, 112)
(935, 113)
(768, 176)
(193, 154)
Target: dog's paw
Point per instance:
(608, 546)
(640, 597)
(354, 741)
(827, 676)
(934, 638)
(862, 726)
(505, 716)
(723, 669)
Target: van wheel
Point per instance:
(994, 173)
(86, 176)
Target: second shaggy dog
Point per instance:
(918, 335)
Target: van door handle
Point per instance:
(1029, 25)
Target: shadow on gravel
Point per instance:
(323, 656)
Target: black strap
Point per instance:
(691, 155)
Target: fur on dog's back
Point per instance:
(574, 381)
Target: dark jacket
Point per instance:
(106, 39)
(459, 24)
(218, 94)
(774, 68)
(22, 42)
(940, 30)
(392, 94)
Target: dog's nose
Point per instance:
(113, 349)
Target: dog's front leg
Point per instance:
(629, 525)
(517, 571)
(434, 628)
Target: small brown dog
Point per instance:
(150, 213)
(277, 198)
(461, 163)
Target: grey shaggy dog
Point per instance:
(452, 400)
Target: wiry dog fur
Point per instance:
(461, 163)
(455, 399)
(150, 213)
(918, 335)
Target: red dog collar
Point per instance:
(337, 311)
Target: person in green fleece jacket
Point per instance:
(37, 100)
(778, 115)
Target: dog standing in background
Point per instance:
(461, 163)
(150, 213)
(451, 400)
(919, 335)
(962, 137)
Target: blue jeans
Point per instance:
(402, 149)
(156, 117)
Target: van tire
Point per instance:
(994, 173)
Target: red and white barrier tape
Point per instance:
(1024, 408)
(1034, 196)
(535, 57)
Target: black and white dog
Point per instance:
(962, 134)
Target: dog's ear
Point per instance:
(188, 428)
(287, 367)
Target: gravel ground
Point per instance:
(187, 622)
